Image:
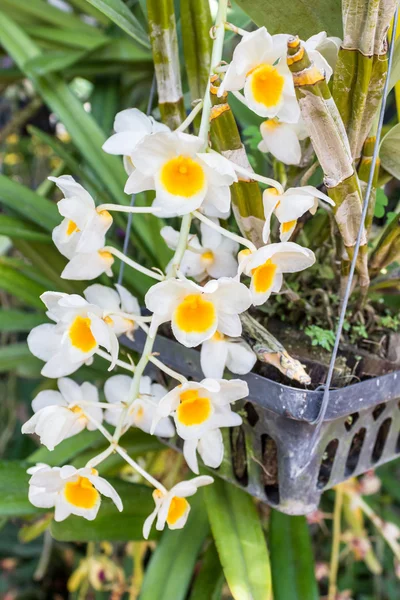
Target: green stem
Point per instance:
(334, 565)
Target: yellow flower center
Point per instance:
(193, 409)
(267, 85)
(182, 176)
(288, 226)
(177, 509)
(76, 409)
(80, 334)
(72, 227)
(195, 314)
(208, 256)
(271, 124)
(81, 493)
(218, 337)
(263, 276)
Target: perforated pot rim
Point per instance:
(292, 403)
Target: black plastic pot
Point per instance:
(272, 455)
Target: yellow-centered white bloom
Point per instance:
(214, 257)
(84, 228)
(184, 178)
(79, 331)
(199, 410)
(130, 126)
(290, 206)
(172, 508)
(259, 66)
(60, 415)
(197, 312)
(142, 411)
(113, 303)
(323, 51)
(266, 266)
(282, 140)
(70, 491)
(221, 351)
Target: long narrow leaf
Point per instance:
(120, 14)
(14, 227)
(171, 567)
(292, 559)
(14, 490)
(16, 357)
(210, 579)
(28, 204)
(20, 286)
(17, 320)
(240, 541)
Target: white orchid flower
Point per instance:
(79, 331)
(184, 178)
(214, 257)
(282, 140)
(83, 267)
(172, 507)
(197, 312)
(323, 51)
(131, 126)
(221, 351)
(84, 228)
(60, 415)
(290, 206)
(266, 266)
(113, 303)
(201, 408)
(259, 66)
(70, 491)
(142, 410)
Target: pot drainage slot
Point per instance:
(351, 421)
(376, 413)
(381, 440)
(355, 451)
(328, 458)
(239, 454)
(252, 415)
(270, 468)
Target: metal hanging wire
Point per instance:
(325, 399)
(133, 197)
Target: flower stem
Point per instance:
(334, 566)
(128, 209)
(241, 240)
(182, 243)
(139, 469)
(191, 117)
(119, 363)
(260, 178)
(167, 370)
(132, 263)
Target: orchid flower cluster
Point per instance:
(206, 286)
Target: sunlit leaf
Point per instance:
(120, 14)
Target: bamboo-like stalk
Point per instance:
(361, 68)
(196, 23)
(164, 44)
(364, 170)
(246, 194)
(330, 142)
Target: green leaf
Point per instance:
(14, 490)
(296, 16)
(395, 71)
(51, 62)
(120, 14)
(67, 37)
(67, 450)
(110, 524)
(16, 357)
(240, 541)
(20, 286)
(292, 559)
(210, 578)
(381, 202)
(16, 320)
(27, 203)
(389, 152)
(15, 228)
(170, 570)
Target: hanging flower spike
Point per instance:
(60, 415)
(282, 140)
(115, 302)
(79, 332)
(267, 264)
(214, 257)
(221, 351)
(197, 312)
(290, 206)
(131, 126)
(84, 228)
(172, 507)
(142, 410)
(257, 67)
(184, 178)
(70, 491)
(199, 410)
